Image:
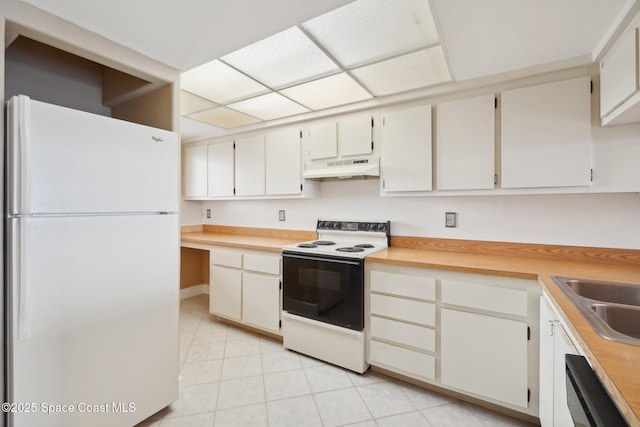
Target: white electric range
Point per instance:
(323, 291)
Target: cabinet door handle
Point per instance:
(552, 326)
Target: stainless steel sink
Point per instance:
(612, 308)
(620, 318)
(618, 293)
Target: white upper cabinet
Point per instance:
(406, 152)
(323, 140)
(350, 135)
(618, 73)
(355, 135)
(283, 162)
(619, 90)
(195, 171)
(250, 166)
(546, 135)
(220, 163)
(465, 144)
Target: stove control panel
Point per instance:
(379, 227)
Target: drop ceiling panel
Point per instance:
(328, 92)
(190, 103)
(370, 30)
(224, 117)
(495, 36)
(412, 71)
(284, 59)
(220, 83)
(268, 107)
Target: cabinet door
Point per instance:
(261, 301)
(225, 292)
(546, 374)
(322, 140)
(406, 159)
(484, 355)
(220, 169)
(355, 135)
(618, 72)
(250, 166)
(465, 144)
(546, 135)
(284, 172)
(195, 171)
(562, 346)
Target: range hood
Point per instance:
(344, 169)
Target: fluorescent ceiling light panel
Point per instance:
(284, 59)
(224, 117)
(269, 106)
(328, 92)
(190, 103)
(192, 130)
(220, 83)
(370, 30)
(418, 69)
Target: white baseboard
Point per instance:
(192, 291)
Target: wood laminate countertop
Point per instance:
(262, 239)
(261, 243)
(617, 365)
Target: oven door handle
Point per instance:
(321, 258)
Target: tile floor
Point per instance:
(233, 377)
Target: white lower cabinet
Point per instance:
(261, 301)
(554, 345)
(469, 333)
(226, 292)
(245, 287)
(484, 355)
(402, 323)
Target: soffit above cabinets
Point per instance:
(489, 37)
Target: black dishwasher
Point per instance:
(589, 403)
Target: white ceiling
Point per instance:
(479, 38)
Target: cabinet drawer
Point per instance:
(226, 258)
(262, 263)
(500, 300)
(407, 361)
(419, 312)
(404, 285)
(403, 333)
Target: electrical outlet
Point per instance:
(281, 215)
(450, 219)
(208, 213)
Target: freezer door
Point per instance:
(62, 160)
(93, 318)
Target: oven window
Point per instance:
(325, 289)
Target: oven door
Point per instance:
(589, 403)
(324, 288)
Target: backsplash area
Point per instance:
(599, 220)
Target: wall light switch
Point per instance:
(450, 219)
(281, 215)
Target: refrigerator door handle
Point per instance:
(19, 137)
(18, 279)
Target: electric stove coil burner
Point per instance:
(307, 245)
(323, 243)
(350, 249)
(364, 246)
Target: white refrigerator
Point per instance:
(92, 268)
